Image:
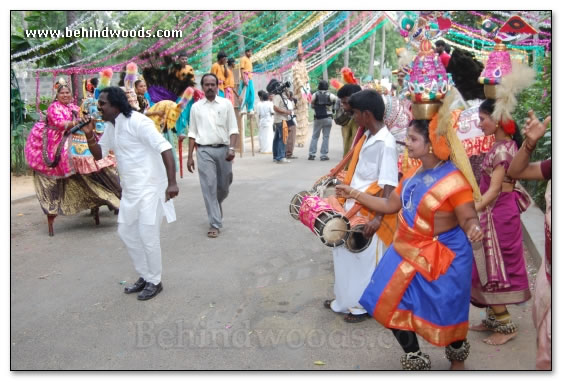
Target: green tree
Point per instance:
(37, 20)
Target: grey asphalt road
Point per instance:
(250, 299)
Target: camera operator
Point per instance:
(281, 114)
(322, 104)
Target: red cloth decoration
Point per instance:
(509, 126)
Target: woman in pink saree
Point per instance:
(66, 177)
(499, 275)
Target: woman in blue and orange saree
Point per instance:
(422, 284)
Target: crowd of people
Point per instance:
(405, 175)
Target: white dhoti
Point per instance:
(143, 244)
(352, 273)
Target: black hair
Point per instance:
(422, 127)
(440, 43)
(118, 99)
(207, 75)
(465, 71)
(221, 55)
(448, 49)
(369, 100)
(263, 95)
(323, 85)
(488, 107)
(138, 82)
(182, 54)
(247, 49)
(231, 61)
(517, 136)
(347, 90)
(94, 81)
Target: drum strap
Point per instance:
(340, 166)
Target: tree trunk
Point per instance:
(283, 20)
(240, 34)
(208, 45)
(323, 52)
(347, 50)
(24, 23)
(382, 53)
(371, 70)
(71, 17)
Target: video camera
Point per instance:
(275, 87)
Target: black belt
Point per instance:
(221, 145)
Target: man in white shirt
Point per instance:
(148, 179)
(375, 169)
(214, 130)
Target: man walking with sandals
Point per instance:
(213, 129)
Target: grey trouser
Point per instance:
(215, 177)
(320, 124)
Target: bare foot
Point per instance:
(479, 328)
(457, 365)
(499, 338)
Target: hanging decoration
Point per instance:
(424, 25)
(82, 20)
(360, 33)
(508, 15)
(293, 35)
(415, 26)
(283, 60)
(128, 45)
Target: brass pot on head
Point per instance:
(425, 110)
(490, 91)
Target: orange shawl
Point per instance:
(389, 222)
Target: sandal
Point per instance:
(355, 318)
(213, 233)
(327, 304)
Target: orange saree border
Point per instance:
(435, 334)
(393, 292)
(435, 197)
(387, 314)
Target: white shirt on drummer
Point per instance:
(212, 122)
(377, 162)
(142, 175)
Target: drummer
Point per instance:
(373, 169)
